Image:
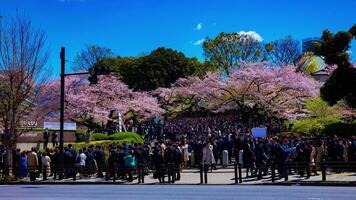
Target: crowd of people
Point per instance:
(188, 142)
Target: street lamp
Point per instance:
(93, 73)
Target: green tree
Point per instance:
(160, 68)
(230, 49)
(201, 68)
(321, 116)
(319, 108)
(342, 82)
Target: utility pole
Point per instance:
(61, 132)
(93, 79)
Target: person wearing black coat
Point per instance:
(112, 163)
(45, 138)
(89, 161)
(352, 151)
(100, 160)
(16, 162)
(68, 162)
(54, 137)
(248, 158)
(303, 158)
(260, 159)
(340, 151)
(178, 159)
(159, 165)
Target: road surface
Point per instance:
(171, 192)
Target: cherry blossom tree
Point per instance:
(281, 92)
(97, 101)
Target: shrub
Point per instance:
(313, 126)
(98, 136)
(126, 136)
(122, 136)
(105, 144)
(80, 135)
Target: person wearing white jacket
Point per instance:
(208, 156)
(46, 164)
(80, 162)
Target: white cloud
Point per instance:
(252, 34)
(199, 26)
(199, 42)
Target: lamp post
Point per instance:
(61, 117)
(93, 73)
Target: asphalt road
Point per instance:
(171, 192)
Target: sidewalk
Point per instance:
(217, 177)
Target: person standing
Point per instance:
(54, 139)
(55, 161)
(352, 150)
(32, 164)
(45, 138)
(130, 164)
(313, 154)
(46, 165)
(16, 162)
(208, 156)
(159, 165)
(100, 160)
(89, 161)
(87, 136)
(185, 151)
(23, 165)
(320, 153)
(178, 158)
(80, 162)
(248, 158)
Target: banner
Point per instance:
(259, 132)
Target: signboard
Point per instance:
(56, 126)
(259, 132)
(28, 124)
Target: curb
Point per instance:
(292, 183)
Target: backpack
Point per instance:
(130, 161)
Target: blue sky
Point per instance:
(133, 27)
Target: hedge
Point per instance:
(327, 126)
(122, 136)
(104, 143)
(314, 126)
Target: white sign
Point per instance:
(259, 132)
(28, 124)
(56, 126)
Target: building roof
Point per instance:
(320, 73)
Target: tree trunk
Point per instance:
(8, 171)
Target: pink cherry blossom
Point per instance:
(97, 100)
(282, 91)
